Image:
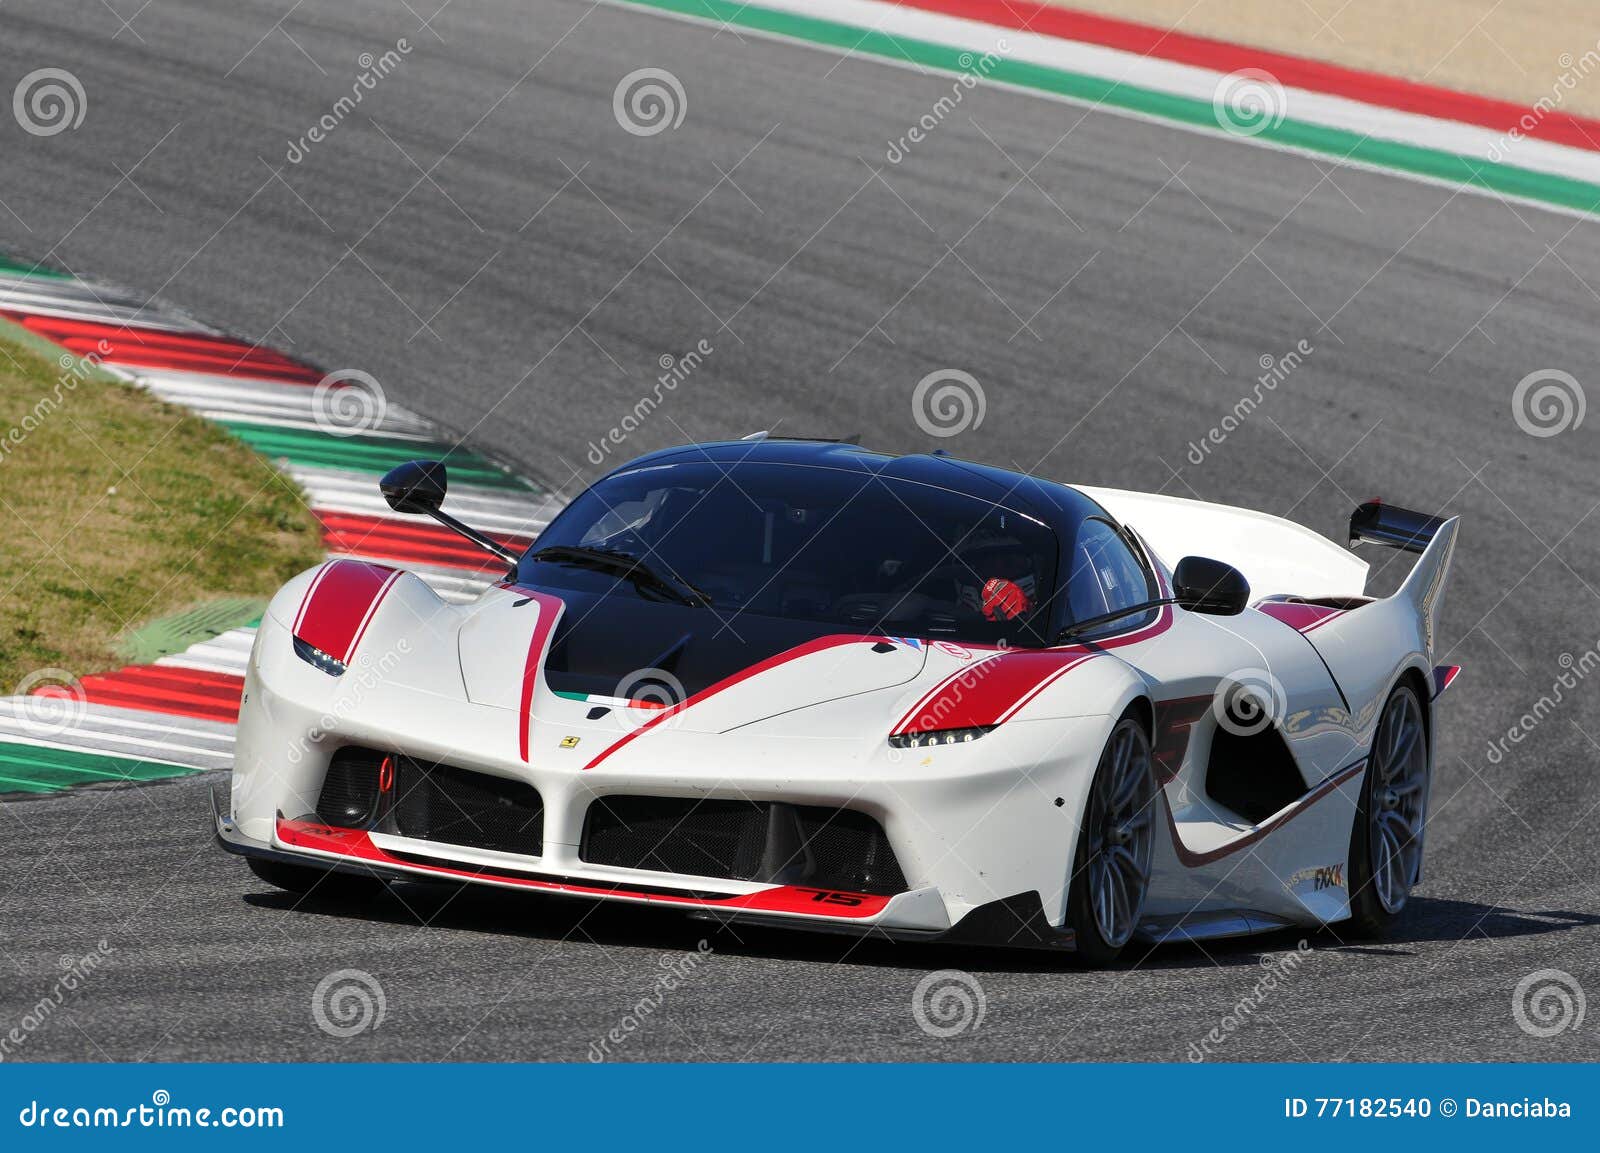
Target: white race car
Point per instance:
(807, 684)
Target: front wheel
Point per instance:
(1386, 844)
(1111, 868)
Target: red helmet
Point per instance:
(1004, 600)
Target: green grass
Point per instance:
(116, 509)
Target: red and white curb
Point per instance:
(181, 711)
(138, 734)
(263, 402)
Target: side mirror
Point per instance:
(418, 486)
(1203, 585)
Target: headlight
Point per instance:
(929, 737)
(333, 666)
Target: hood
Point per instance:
(578, 661)
(554, 651)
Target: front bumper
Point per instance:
(918, 915)
(974, 828)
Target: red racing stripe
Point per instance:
(410, 541)
(158, 348)
(990, 690)
(821, 644)
(340, 603)
(1329, 619)
(356, 844)
(1300, 616)
(550, 609)
(1294, 71)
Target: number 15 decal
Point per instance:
(828, 897)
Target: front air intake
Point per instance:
(349, 797)
(370, 789)
(459, 807)
(743, 841)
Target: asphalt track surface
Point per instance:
(484, 239)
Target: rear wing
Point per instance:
(1434, 538)
(1389, 524)
(1276, 556)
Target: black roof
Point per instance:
(1045, 500)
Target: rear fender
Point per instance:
(1368, 648)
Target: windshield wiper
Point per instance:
(626, 565)
(1077, 627)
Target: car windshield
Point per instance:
(844, 549)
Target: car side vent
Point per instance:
(1252, 773)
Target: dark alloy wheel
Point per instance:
(1386, 844)
(1111, 868)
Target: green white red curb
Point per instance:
(1533, 155)
(177, 714)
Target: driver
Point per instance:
(1004, 600)
(999, 581)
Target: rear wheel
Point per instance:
(1111, 868)
(312, 881)
(1386, 844)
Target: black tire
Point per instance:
(308, 880)
(1095, 838)
(1375, 907)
